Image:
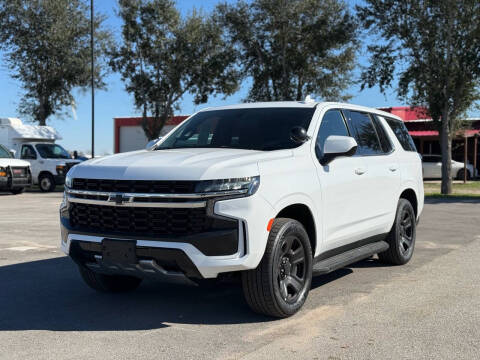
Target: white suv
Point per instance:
(275, 191)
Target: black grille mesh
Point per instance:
(139, 221)
(135, 186)
(19, 172)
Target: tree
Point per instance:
(164, 56)
(47, 45)
(433, 48)
(291, 48)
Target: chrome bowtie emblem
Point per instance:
(118, 199)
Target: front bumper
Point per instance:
(12, 182)
(198, 256)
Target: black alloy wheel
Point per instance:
(280, 284)
(290, 265)
(401, 238)
(406, 232)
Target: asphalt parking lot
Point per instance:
(428, 309)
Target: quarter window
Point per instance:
(365, 134)
(402, 134)
(332, 124)
(382, 135)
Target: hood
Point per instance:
(177, 164)
(4, 162)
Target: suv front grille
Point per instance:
(138, 221)
(135, 186)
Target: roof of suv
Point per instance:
(300, 104)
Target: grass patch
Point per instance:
(459, 189)
(443, 196)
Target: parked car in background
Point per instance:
(275, 192)
(432, 168)
(15, 174)
(49, 162)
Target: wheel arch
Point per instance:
(44, 172)
(410, 195)
(304, 215)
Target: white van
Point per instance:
(49, 162)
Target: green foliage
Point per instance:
(47, 43)
(433, 48)
(291, 48)
(163, 56)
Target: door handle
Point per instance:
(360, 171)
(393, 168)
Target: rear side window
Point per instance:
(332, 124)
(364, 133)
(382, 135)
(402, 134)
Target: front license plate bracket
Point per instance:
(119, 251)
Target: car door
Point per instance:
(383, 173)
(343, 187)
(432, 166)
(29, 154)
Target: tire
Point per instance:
(460, 174)
(109, 283)
(17, 191)
(278, 287)
(402, 236)
(46, 182)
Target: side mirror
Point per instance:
(336, 146)
(152, 143)
(12, 152)
(299, 134)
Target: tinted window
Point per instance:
(332, 124)
(28, 152)
(365, 134)
(402, 134)
(52, 151)
(382, 135)
(255, 129)
(431, 159)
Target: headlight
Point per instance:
(68, 180)
(61, 169)
(246, 186)
(3, 172)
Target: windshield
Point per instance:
(4, 153)
(252, 129)
(52, 151)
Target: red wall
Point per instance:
(407, 113)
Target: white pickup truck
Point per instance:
(49, 162)
(15, 174)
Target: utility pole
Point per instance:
(93, 78)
